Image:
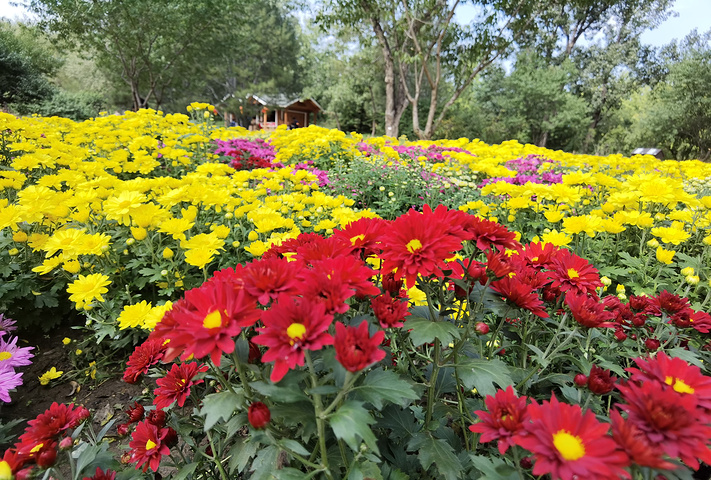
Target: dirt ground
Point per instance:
(105, 399)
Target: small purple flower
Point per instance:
(6, 325)
(9, 380)
(13, 356)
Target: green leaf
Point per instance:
(289, 473)
(435, 450)
(219, 406)
(493, 468)
(295, 447)
(351, 423)
(323, 390)
(686, 355)
(424, 331)
(365, 470)
(264, 464)
(382, 386)
(401, 421)
(483, 374)
(184, 472)
(282, 393)
(241, 453)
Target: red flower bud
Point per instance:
(581, 380)
(652, 344)
(66, 443)
(391, 285)
(526, 463)
(157, 418)
(600, 381)
(481, 328)
(135, 413)
(254, 352)
(171, 438)
(258, 415)
(639, 320)
(122, 429)
(620, 335)
(47, 457)
(126, 458)
(24, 474)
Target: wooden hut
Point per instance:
(281, 110)
(655, 152)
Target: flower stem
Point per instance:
(215, 458)
(432, 383)
(320, 418)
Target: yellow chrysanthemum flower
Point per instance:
(88, 288)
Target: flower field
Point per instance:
(312, 304)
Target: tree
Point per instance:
(145, 43)
(25, 66)
(426, 53)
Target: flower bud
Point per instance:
(157, 418)
(481, 328)
(692, 279)
(135, 413)
(687, 271)
(66, 443)
(605, 281)
(122, 429)
(167, 253)
(620, 336)
(258, 415)
(653, 243)
(581, 380)
(600, 381)
(47, 457)
(171, 438)
(652, 344)
(526, 463)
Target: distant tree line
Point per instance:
(564, 74)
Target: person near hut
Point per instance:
(294, 124)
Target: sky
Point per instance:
(692, 14)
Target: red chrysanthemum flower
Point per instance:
(291, 245)
(504, 420)
(668, 303)
(588, 311)
(600, 381)
(417, 244)
(390, 312)
(570, 272)
(258, 415)
(148, 446)
(465, 275)
(568, 444)
(363, 235)
(701, 322)
(681, 377)
(102, 475)
(355, 348)
(291, 326)
(206, 321)
(670, 421)
(176, 384)
(636, 445)
(486, 234)
(323, 249)
(266, 279)
(143, 357)
(53, 423)
(538, 255)
(520, 294)
(335, 280)
(499, 264)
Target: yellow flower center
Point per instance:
(678, 385)
(5, 355)
(37, 448)
(569, 446)
(5, 470)
(296, 331)
(212, 320)
(573, 273)
(356, 239)
(413, 245)
(150, 444)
